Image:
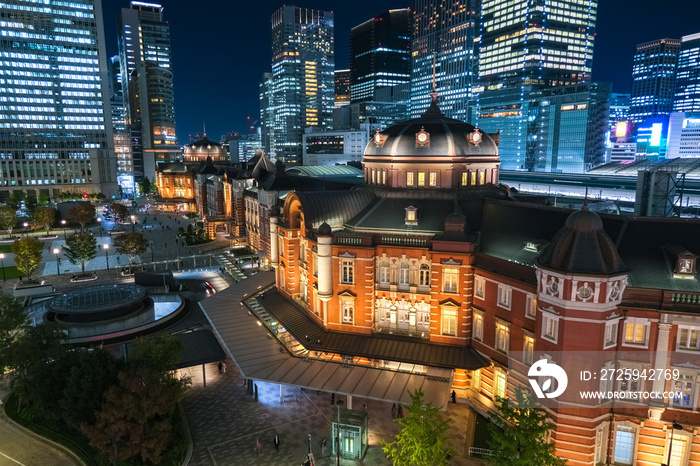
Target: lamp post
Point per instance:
(337, 437)
(152, 255)
(57, 251)
(133, 223)
(106, 248)
(63, 224)
(676, 426)
(99, 221)
(2, 258)
(26, 233)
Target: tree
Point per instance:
(16, 199)
(81, 249)
(423, 439)
(82, 213)
(117, 213)
(45, 216)
(27, 255)
(521, 438)
(12, 320)
(135, 419)
(131, 244)
(8, 218)
(145, 186)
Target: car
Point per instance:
(209, 288)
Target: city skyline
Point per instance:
(232, 92)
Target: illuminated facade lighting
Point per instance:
(687, 96)
(653, 79)
(55, 124)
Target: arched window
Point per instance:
(424, 276)
(404, 274)
(384, 273)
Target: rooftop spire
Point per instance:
(204, 128)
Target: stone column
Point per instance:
(325, 272)
(661, 361)
(274, 250)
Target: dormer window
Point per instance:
(685, 261)
(535, 245)
(411, 215)
(686, 265)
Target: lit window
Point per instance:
(476, 379)
(684, 389)
(478, 325)
(465, 178)
(424, 276)
(421, 179)
(624, 444)
(347, 272)
(450, 277)
(404, 273)
(472, 178)
(688, 338)
(530, 306)
(502, 337)
(449, 320)
(409, 179)
(635, 332)
(433, 179)
(384, 273)
(479, 286)
(482, 177)
(504, 296)
(685, 266)
(500, 383)
(528, 349)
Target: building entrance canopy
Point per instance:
(260, 356)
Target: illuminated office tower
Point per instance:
(301, 88)
(653, 79)
(146, 70)
(443, 32)
(619, 109)
(380, 54)
(342, 88)
(525, 46)
(122, 142)
(687, 91)
(55, 123)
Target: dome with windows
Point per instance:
(432, 151)
(198, 151)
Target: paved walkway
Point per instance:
(19, 447)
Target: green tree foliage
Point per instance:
(45, 216)
(43, 199)
(145, 186)
(13, 320)
(423, 440)
(131, 244)
(16, 199)
(117, 213)
(135, 419)
(27, 255)
(82, 214)
(8, 218)
(521, 438)
(81, 249)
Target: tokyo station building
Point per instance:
(431, 266)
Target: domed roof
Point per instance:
(432, 135)
(582, 246)
(200, 150)
(324, 229)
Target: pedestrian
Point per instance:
(221, 367)
(393, 411)
(258, 447)
(323, 447)
(400, 411)
(454, 397)
(165, 245)
(277, 443)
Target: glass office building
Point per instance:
(300, 91)
(146, 70)
(653, 79)
(443, 33)
(380, 54)
(687, 91)
(55, 117)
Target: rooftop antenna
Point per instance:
(204, 128)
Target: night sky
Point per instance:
(222, 47)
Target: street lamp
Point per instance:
(133, 223)
(106, 248)
(676, 426)
(26, 233)
(2, 258)
(337, 455)
(63, 224)
(57, 251)
(99, 221)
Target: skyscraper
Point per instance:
(301, 89)
(342, 87)
(380, 54)
(55, 123)
(525, 46)
(122, 142)
(687, 91)
(147, 79)
(443, 33)
(653, 79)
